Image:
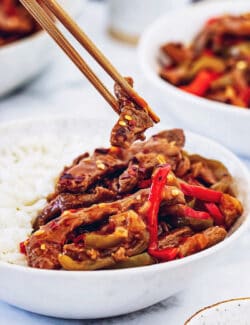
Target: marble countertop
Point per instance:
(62, 90)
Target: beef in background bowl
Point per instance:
(225, 123)
(15, 22)
(215, 65)
(25, 54)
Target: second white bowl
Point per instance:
(227, 124)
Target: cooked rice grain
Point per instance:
(28, 170)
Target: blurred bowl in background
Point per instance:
(127, 22)
(24, 59)
(225, 123)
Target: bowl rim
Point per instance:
(22, 41)
(151, 74)
(143, 269)
(191, 318)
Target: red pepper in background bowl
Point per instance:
(201, 83)
(212, 20)
(9, 7)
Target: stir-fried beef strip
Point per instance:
(211, 34)
(216, 63)
(81, 176)
(15, 22)
(133, 120)
(203, 240)
(175, 237)
(177, 52)
(67, 201)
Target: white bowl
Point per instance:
(22, 60)
(222, 122)
(230, 312)
(96, 294)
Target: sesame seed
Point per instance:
(100, 166)
(175, 192)
(128, 117)
(39, 232)
(114, 149)
(161, 159)
(230, 92)
(43, 247)
(241, 65)
(122, 123)
(170, 178)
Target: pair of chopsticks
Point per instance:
(42, 14)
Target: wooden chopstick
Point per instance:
(84, 40)
(48, 24)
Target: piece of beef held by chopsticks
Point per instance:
(133, 120)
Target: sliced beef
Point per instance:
(174, 238)
(213, 33)
(177, 52)
(176, 75)
(87, 171)
(130, 127)
(200, 241)
(231, 208)
(133, 120)
(129, 179)
(67, 201)
(15, 22)
(174, 136)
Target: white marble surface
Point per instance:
(62, 90)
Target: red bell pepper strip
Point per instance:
(208, 52)
(22, 248)
(164, 255)
(158, 182)
(245, 96)
(212, 20)
(9, 8)
(191, 213)
(201, 83)
(201, 193)
(215, 213)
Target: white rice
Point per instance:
(28, 171)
